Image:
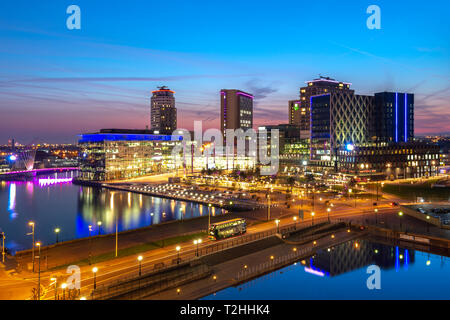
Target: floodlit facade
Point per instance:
(113, 154)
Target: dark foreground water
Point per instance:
(59, 204)
(342, 274)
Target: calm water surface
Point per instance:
(57, 204)
(342, 274)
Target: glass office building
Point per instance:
(114, 154)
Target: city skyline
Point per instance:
(57, 82)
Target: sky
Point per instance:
(56, 83)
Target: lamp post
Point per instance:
(197, 242)
(31, 224)
(376, 216)
(278, 225)
(94, 270)
(99, 224)
(57, 230)
(400, 214)
(140, 265)
(178, 248)
(312, 217)
(328, 211)
(90, 244)
(295, 222)
(38, 244)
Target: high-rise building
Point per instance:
(338, 118)
(163, 112)
(315, 87)
(236, 110)
(295, 110)
(394, 117)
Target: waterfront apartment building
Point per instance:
(322, 85)
(236, 110)
(163, 114)
(116, 154)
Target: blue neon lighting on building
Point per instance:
(396, 117)
(95, 137)
(397, 261)
(406, 115)
(406, 259)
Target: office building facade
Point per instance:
(236, 110)
(338, 118)
(322, 85)
(163, 113)
(393, 117)
(115, 154)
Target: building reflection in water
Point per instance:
(356, 254)
(132, 210)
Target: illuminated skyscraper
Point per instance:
(163, 112)
(316, 87)
(394, 117)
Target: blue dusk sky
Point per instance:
(56, 83)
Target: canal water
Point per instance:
(341, 273)
(52, 201)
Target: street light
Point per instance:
(278, 225)
(376, 216)
(57, 230)
(178, 248)
(99, 226)
(328, 211)
(312, 216)
(140, 265)
(197, 242)
(94, 270)
(400, 214)
(295, 221)
(38, 244)
(31, 224)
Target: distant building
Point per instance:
(163, 112)
(236, 110)
(295, 110)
